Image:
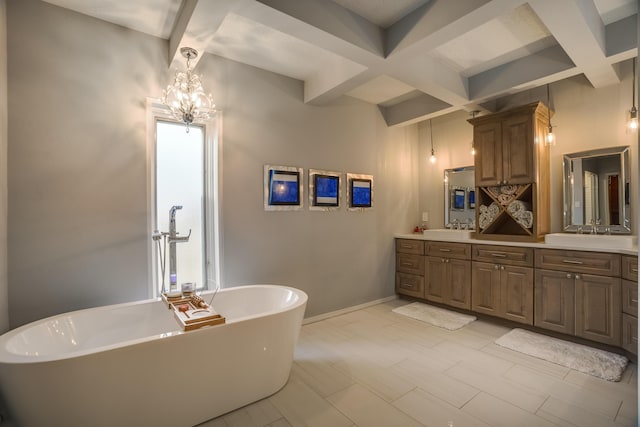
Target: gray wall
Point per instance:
(77, 174)
(4, 290)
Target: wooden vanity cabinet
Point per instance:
(502, 282)
(410, 267)
(448, 274)
(579, 293)
(630, 303)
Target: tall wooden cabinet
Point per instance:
(512, 164)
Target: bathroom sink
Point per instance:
(446, 234)
(591, 241)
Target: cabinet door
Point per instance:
(435, 279)
(598, 308)
(554, 301)
(488, 158)
(458, 293)
(517, 150)
(516, 294)
(485, 288)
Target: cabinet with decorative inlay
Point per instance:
(510, 152)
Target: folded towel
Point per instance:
(525, 218)
(509, 189)
(505, 199)
(517, 206)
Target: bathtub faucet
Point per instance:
(173, 239)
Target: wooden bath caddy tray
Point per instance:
(192, 312)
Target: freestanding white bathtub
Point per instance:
(132, 365)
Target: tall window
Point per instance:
(183, 172)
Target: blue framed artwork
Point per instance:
(360, 193)
(326, 190)
(458, 199)
(282, 188)
(471, 195)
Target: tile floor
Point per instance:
(373, 367)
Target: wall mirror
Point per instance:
(459, 198)
(596, 191)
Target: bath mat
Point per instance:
(598, 363)
(435, 316)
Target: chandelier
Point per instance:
(185, 97)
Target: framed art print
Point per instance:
(471, 195)
(282, 188)
(458, 196)
(324, 190)
(360, 191)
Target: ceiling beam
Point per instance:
(196, 25)
(578, 28)
(415, 110)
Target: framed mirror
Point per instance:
(596, 191)
(459, 198)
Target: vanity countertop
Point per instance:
(456, 237)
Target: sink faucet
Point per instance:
(173, 239)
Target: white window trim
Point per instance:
(213, 162)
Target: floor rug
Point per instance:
(598, 363)
(434, 315)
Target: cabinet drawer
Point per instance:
(408, 263)
(449, 250)
(630, 333)
(630, 267)
(630, 297)
(508, 255)
(601, 263)
(410, 284)
(409, 246)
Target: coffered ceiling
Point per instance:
(415, 59)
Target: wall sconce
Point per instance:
(432, 159)
(550, 138)
(185, 97)
(633, 113)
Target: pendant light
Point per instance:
(474, 113)
(550, 138)
(432, 159)
(633, 113)
(186, 97)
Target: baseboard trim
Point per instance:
(346, 310)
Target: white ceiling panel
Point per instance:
(380, 89)
(615, 10)
(154, 17)
(383, 13)
(244, 40)
(508, 37)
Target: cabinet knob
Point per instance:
(502, 267)
(495, 267)
(568, 275)
(577, 277)
(444, 260)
